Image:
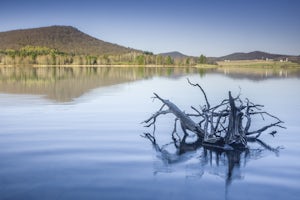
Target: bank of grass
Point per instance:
(257, 64)
(206, 66)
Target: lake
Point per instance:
(75, 133)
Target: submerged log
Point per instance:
(225, 126)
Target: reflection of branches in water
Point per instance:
(198, 159)
(223, 163)
(226, 164)
(219, 139)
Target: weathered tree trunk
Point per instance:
(235, 135)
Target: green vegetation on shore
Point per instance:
(37, 55)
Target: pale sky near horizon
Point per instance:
(193, 27)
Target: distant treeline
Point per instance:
(36, 55)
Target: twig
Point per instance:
(204, 94)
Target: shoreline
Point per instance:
(232, 64)
(116, 66)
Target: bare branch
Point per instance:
(259, 131)
(204, 94)
(154, 116)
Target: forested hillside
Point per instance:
(63, 38)
(66, 45)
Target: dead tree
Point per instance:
(225, 126)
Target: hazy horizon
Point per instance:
(214, 28)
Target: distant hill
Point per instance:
(174, 55)
(252, 56)
(63, 38)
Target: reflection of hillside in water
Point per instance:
(258, 74)
(65, 83)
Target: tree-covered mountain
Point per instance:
(66, 45)
(66, 39)
(255, 55)
(174, 55)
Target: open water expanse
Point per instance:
(74, 133)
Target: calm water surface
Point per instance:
(74, 133)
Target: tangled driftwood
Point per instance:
(226, 126)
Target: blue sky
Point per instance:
(210, 27)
